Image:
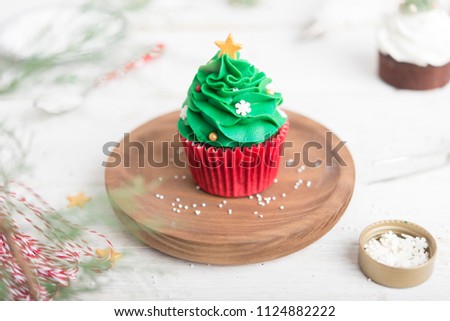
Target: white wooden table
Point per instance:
(332, 80)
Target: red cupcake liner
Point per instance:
(235, 172)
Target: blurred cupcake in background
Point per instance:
(414, 46)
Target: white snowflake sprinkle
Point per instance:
(197, 212)
(243, 108)
(183, 112)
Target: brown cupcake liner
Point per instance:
(409, 76)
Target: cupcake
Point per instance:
(231, 125)
(414, 46)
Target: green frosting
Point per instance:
(229, 97)
(413, 6)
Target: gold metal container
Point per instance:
(396, 277)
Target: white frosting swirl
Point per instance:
(418, 38)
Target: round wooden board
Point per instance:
(283, 226)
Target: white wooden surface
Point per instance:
(332, 80)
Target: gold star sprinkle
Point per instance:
(108, 254)
(228, 47)
(79, 200)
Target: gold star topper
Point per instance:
(228, 47)
(108, 254)
(79, 200)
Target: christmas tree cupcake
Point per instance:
(414, 46)
(231, 126)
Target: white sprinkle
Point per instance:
(296, 186)
(308, 184)
(224, 201)
(261, 203)
(273, 198)
(161, 197)
(203, 205)
(183, 177)
(281, 207)
(255, 212)
(283, 195)
(275, 180)
(197, 187)
(230, 211)
(174, 209)
(176, 177)
(177, 199)
(197, 212)
(157, 195)
(220, 205)
(412, 7)
(173, 204)
(398, 251)
(180, 206)
(194, 205)
(261, 216)
(250, 197)
(186, 207)
(258, 196)
(178, 211)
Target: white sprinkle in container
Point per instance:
(396, 277)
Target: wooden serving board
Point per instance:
(144, 199)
